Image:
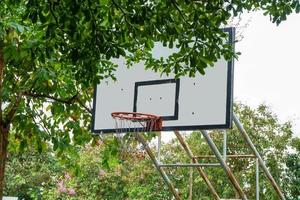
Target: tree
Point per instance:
(30, 174)
(293, 169)
(132, 175)
(53, 52)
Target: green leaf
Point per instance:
(298, 7)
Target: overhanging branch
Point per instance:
(67, 101)
(123, 12)
(13, 109)
(52, 12)
(42, 124)
(175, 4)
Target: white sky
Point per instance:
(268, 71)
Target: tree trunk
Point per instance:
(3, 154)
(4, 129)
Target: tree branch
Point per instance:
(123, 12)
(1, 82)
(180, 12)
(89, 110)
(52, 12)
(67, 101)
(42, 124)
(13, 109)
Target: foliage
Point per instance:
(293, 169)
(272, 139)
(53, 52)
(31, 174)
(89, 33)
(51, 179)
(130, 175)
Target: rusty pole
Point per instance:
(200, 170)
(228, 156)
(142, 140)
(226, 168)
(191, 182)
(261, 162)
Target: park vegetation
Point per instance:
(53, 52)
(126, 172)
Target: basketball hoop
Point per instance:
(136, 122)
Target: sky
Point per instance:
(268, 71)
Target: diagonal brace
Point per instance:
(200, 170)
(260, 160)
(142, 140)
(226, 168)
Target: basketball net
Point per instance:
(133, 122)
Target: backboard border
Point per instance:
(158, 82)
(229, 101)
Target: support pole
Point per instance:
(191, 182)
(142, 140)
(224, 145)
(235, 156)
(158, 146)
(190, 165)
(200, 170)
(261, 162)
(226, 168)
(257, 178)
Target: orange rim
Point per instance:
(134, 116)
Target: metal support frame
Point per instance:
(224, 165)
(191, 182)
(257, 178)
(199, 169)
(142, 140)
(224, 145)
(217, 155)
(158, 146)
(228, 156)
(190, 165)
(260, 160)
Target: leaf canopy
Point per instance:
(54, 51)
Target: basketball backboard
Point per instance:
(202, 102)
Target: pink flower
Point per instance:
(60, 183)
(67, 176)
(99, 142)
(101, 173)
(62, 189)
(71, 191)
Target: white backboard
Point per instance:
(203, 102)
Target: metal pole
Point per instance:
(190, 165)
(224, 165)
(191, 182)
(261, 162)
(228, 156)
(199, 169)
(158, 146)
(142, 140)
(224, 144)
(257, 179)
